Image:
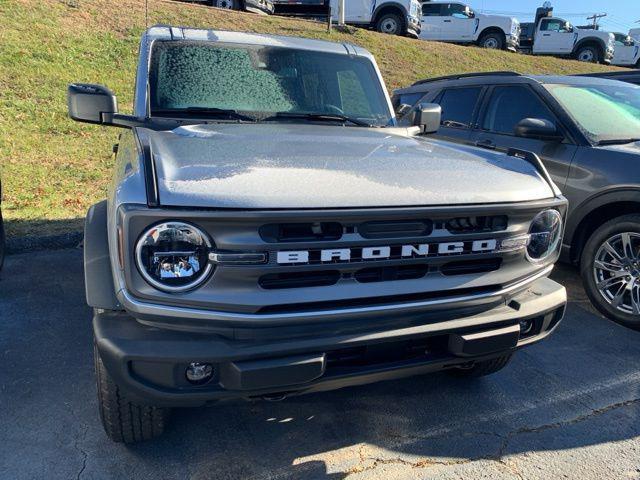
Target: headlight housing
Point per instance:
(173, 256)
(545, 234)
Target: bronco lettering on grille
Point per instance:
(385, 252)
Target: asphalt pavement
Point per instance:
(566, 408)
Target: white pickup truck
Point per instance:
(395, 17)
(555, 36)
(458, 23)
(627, 53)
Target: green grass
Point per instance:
(53, 169)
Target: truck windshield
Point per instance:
(606, 113)
(213, 80)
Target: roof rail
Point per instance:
(466, 75)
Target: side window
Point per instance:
(455, 10)
(511, 104)
(458, 105)
(551, 25)
(431, 10)
(411, 98)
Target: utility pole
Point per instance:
(341, 13)
(595, 17)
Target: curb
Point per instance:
(47, 242)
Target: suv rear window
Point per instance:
(458, 105)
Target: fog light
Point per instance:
(199, 373)
(525, 326)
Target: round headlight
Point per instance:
(545, 234)
(174, 256)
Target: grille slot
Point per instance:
(301, 232)
(396, 229)
(276, 281)
(471, 266)
(387, 274)
(480, 224)
(372, 301)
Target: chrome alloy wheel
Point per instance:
(617, 272)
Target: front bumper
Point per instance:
(413, 26)
(149, 363)
(259, 6)
(513, 42)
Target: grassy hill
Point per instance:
(53, 168)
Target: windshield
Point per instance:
(194, 78)
(604, 112)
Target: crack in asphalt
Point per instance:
(497, 457)
(85, 456)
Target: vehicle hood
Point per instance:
(270, 166)
(630, 148)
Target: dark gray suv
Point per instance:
(587, 132)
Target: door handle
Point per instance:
(486, 143)
(447, 21)
(546, 34)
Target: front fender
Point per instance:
(608, 196)
(98, 277)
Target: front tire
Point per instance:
(610, 270)
(125, 421)
(589, 54)
(481, 369)
(390, 23)
(492, 41)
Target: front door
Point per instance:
(507, 106)
(552, 37)
(457, 26)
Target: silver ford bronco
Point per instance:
(271, 231)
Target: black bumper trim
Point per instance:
(122, 341)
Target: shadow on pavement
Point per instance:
(577, 389)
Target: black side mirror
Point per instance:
(538, 128)
(91, 103)
(428, 117)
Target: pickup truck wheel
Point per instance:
(226, 4)
(123, 420)
(588, 54)
(610, 270)
(390, 23)
(492, 40)
(480, 369)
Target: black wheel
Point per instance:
(480, 369)
(610, 270)
(226, 4)
(390, 23)
(123, 420)
(589, 54)
(492, 40)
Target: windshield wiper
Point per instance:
(330, 117)
(204, 111)
(618, 141)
